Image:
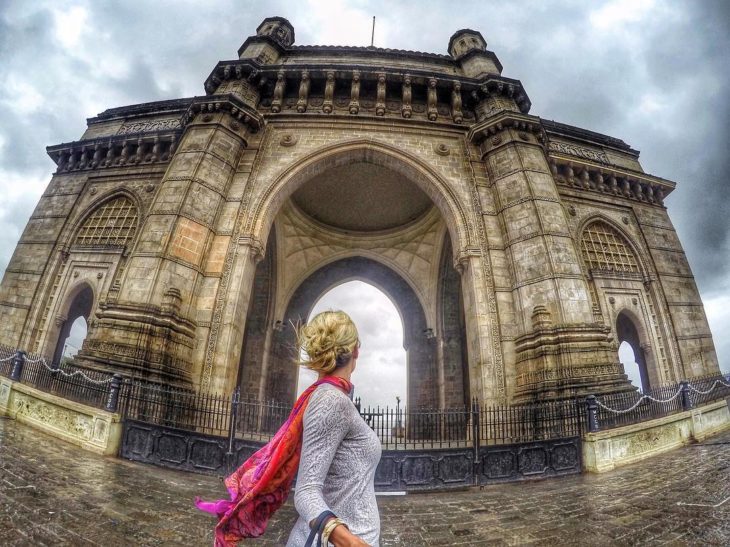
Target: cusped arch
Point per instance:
(598, 219)
(261, 214)
(128, 215)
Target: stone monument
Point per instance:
(520, 252)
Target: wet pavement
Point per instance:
(52, 493)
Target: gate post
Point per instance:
(686, 401)
(232, 419)
(592, 413)
(475, 437)
(113, 400)
(18, 362)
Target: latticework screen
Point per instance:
(112, 224)
(605, 249)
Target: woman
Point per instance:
(327, 440)
(339, 451)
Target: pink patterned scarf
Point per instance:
(262, 483)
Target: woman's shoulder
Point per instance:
(328, 398)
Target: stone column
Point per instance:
(150, 330)
(558, 347)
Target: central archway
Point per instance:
(417, 341)
(381, 373)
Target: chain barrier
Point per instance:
(637, 403)
(66, 374)
(712, 388)
(6, 359)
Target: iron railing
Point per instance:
(175, 407)
(619, 409)
(7, 354)
(65, 380)
(708, 389)
(396, 427)
(531, 422)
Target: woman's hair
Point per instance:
(328, 341)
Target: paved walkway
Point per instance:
(52, 493)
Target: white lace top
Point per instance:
(337, 467)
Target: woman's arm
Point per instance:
(326, 422)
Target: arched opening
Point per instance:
(75, 339)
(631, 354)
(381, 373)
(364, 213)
(419, 345)
(628, 359)
(73, 331)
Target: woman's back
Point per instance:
(337, 468)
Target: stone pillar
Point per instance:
(150, 329)
(559, 348)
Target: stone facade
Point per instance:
(519, 251)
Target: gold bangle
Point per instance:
(329, 528)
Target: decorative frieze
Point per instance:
(579, 151)
(149, 126)
(610, 181)
(117, 151)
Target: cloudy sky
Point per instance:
(654, 73)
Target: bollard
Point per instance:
(113, 399)
(686, 401)
(592, 413)
(18, 362)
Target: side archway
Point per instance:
(627, 331)
(79, 303)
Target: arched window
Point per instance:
(605, 249)
(112, 224)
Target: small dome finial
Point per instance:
(465, 40)
(277, 28)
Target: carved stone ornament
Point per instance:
(625, 220)
(149, 187)
(496, 140)
(99, 275)
(524, 136)
(235, 125)
(571, 210)
(93, 190)
(155, 125)
(288, 140)
(441, 149)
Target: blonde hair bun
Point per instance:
(327, 340)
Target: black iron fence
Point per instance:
(397, 427)
(65, 380)
(7, 355)
(615, 410)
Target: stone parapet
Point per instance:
(92, 429)
(605, 450)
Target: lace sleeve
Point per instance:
(326, 422)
